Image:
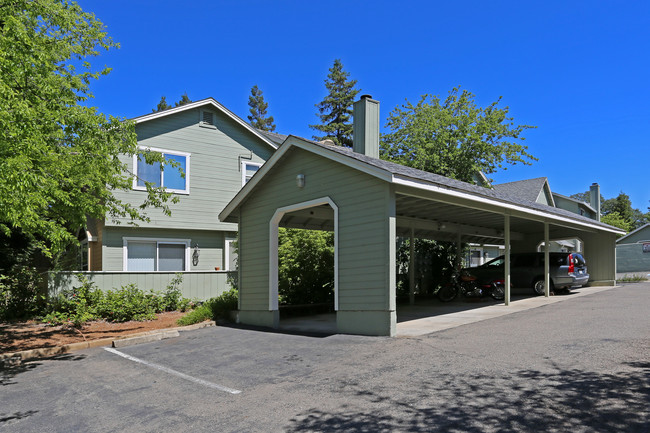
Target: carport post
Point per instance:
(547, 274)
(506, 233)
(412, 267)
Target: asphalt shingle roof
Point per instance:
(527, 189)
(457, 185)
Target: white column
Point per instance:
(506, 234)
(458, 245)
(547, 274)
(412, 267)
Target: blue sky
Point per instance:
(578, 70)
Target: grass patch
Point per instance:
(636, 278)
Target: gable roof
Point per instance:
(527, 189)
(212, 103)
(400, 174)
(575, 200)
(632, 233)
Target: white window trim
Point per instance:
(226, 254)
(158, 241)
(164, 152)
(243, 170)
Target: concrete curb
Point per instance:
(16, 358)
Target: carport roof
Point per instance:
(400, 174)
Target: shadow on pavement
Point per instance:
(560, 401)
(8, 370)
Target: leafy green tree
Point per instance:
(336, 109)
(162, 105)
(259, 111)
(305, 266)
(183, 101)
(615, 219)
(454, 137)
(59, 157)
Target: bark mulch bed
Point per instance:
(18, 336)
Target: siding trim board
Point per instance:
(273, 247)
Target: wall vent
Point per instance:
(207, 118)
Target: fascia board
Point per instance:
(209, 101)
(400, 180)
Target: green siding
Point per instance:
(195, 285)
(215, 175)
(631, 258)
(642, 235)
(364, 253)
(211, 245)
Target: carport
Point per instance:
(367, 203)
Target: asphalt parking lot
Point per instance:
(582, 365)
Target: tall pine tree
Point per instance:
(162, 105)
(258, 117)
(184, 100)
(336, 109)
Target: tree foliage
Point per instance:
(454, 137)
(305, 266)
(59, 159)
(615, 219)
(336, 109)
(259, 117)
(162, 105)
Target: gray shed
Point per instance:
(367, 203)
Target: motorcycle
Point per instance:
(470, 287)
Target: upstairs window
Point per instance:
(248, 169)
(171, 177)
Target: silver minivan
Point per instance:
(527, 270)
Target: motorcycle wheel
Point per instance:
(447, 293)
(498, 292)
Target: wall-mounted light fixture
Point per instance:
(300, 180)
(195, 255)
(441, 226)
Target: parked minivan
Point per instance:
(567, 270)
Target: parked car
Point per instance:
(567, 270)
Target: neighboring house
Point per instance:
(536, 190)
(219, 153)
(633, 251)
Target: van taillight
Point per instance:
(571, 265)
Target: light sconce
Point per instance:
(441, 226)
(300, 180)
(195, 255)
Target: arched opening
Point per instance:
(303, 277)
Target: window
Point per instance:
(248, 169)
(151, 255)
(230, 258)
(171, 177)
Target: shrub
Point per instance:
(198, 315)
(20, 293)
(86, 302)
(222, 305)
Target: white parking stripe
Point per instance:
(174, 372)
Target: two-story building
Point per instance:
(217, 152)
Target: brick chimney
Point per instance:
(366, 127)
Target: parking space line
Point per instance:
(174, 372)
